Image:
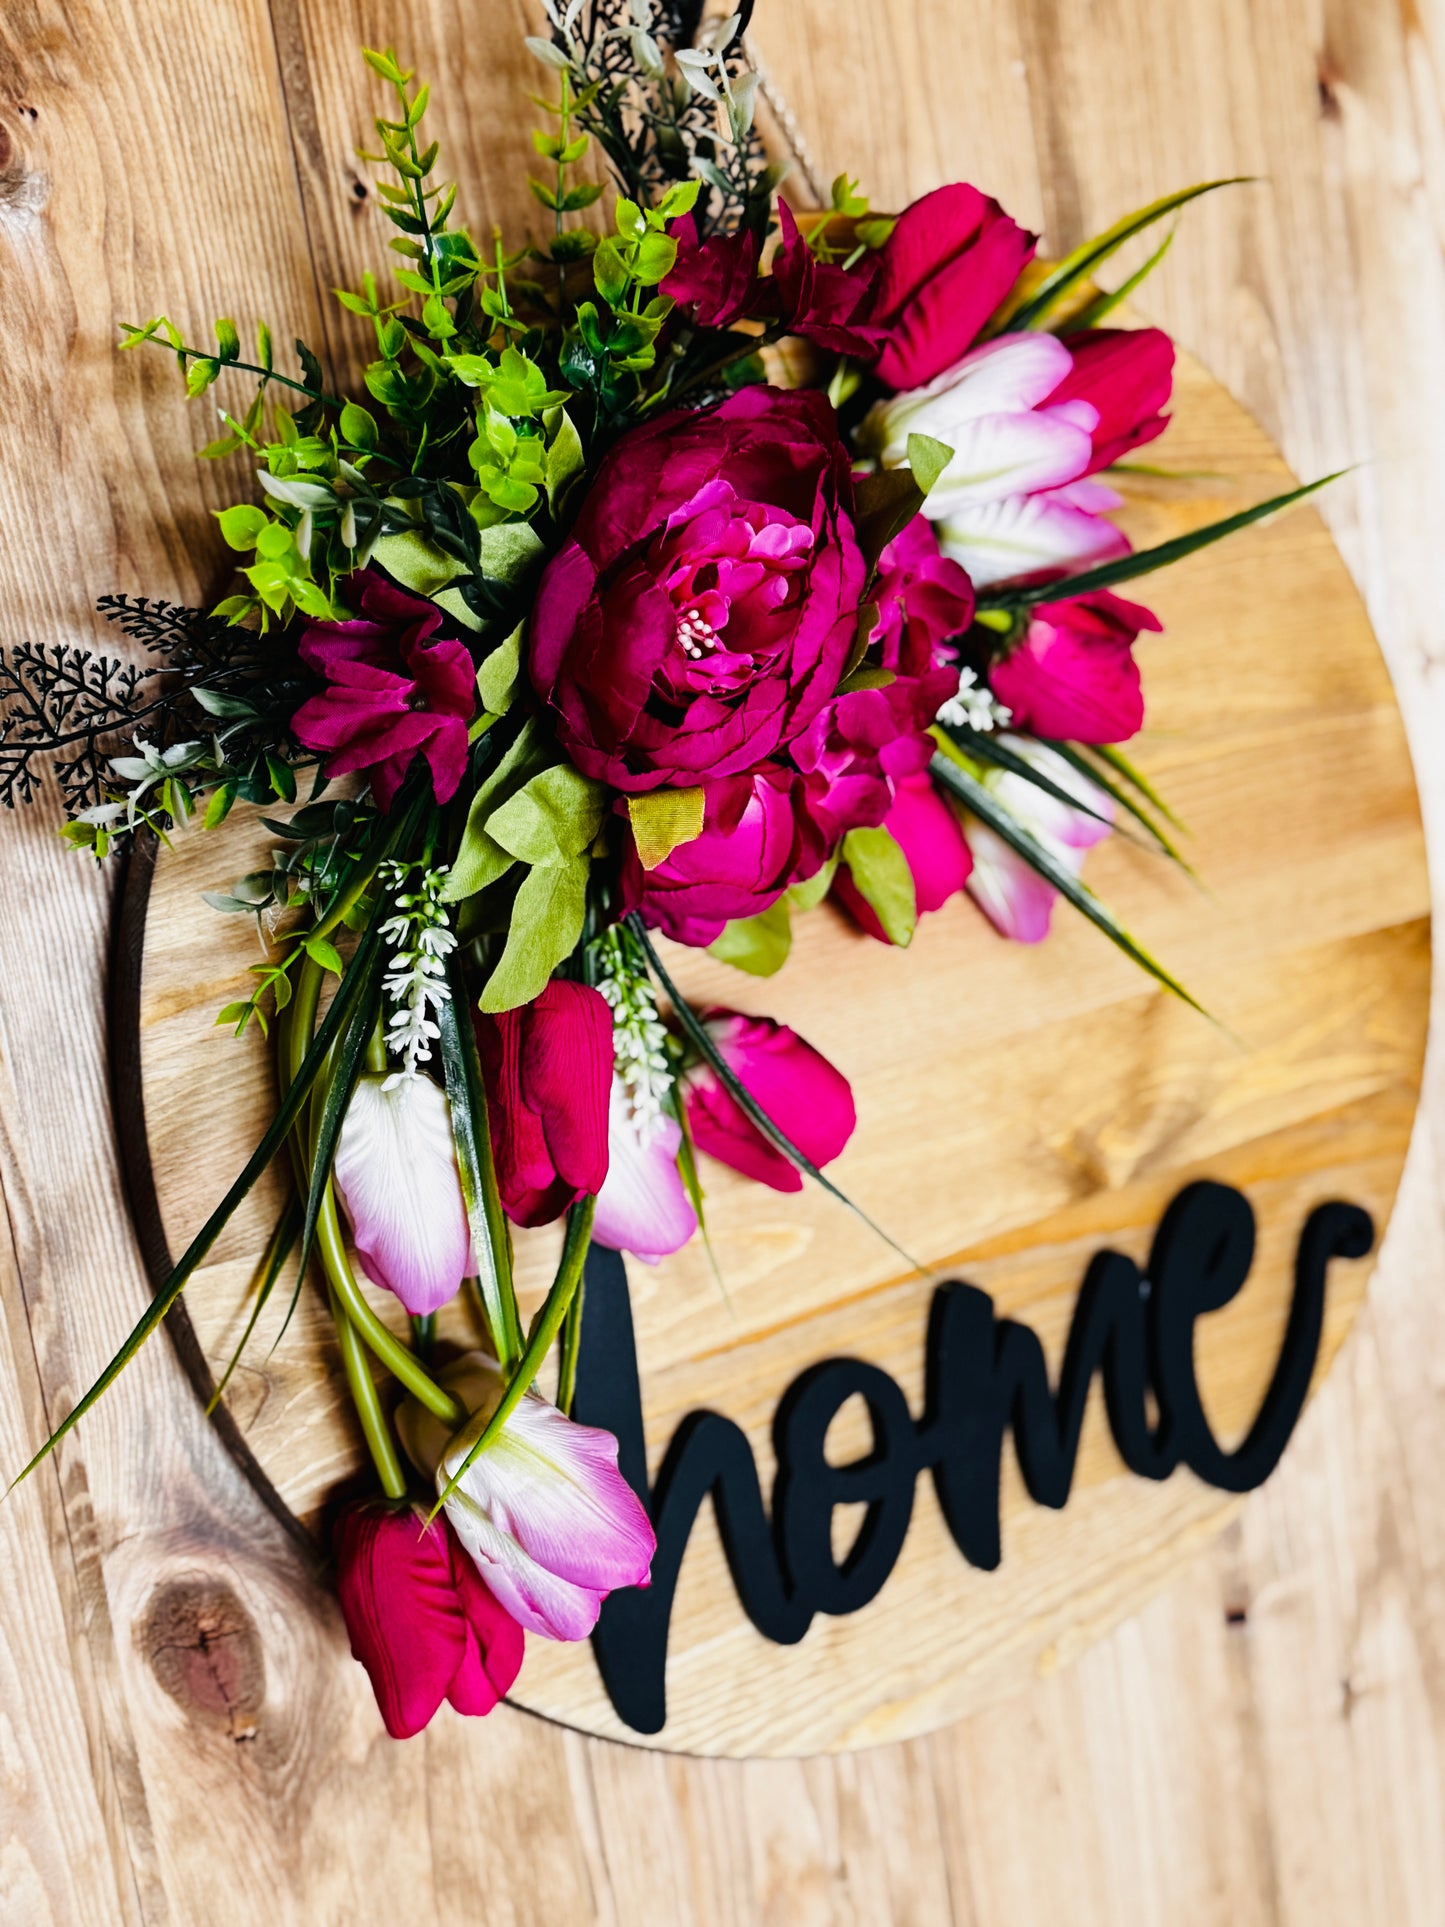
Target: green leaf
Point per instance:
(1084, 260)
(552, 819)
(609, 271)
(509, 550)
(1075, 758)
(565, 458)
(324, 953)
(480, 859)
(358, 426)
(415, 561)
(884, 881)
(1145, 561)
(988, 749)
(759, 945)
(219, 806)
(1104, 304)
(887, 502)
(279, 1247)
(546, 924)
(701, 1039)
(241, 526)
(663, 820)
(811, 892)
(228, 342)
(497, 677)
(969, 790)
(1111, 754)
(655, 258)
(927, 459)
(274, 1138)
(491, 1245)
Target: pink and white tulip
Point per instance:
(1013, 500)
(643, 1206)
(550, 1522)
(396, 1171)
(1014, 897)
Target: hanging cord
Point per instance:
(786, 122)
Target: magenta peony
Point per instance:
(948, 264)
(703, 609)
(420, 1617)
(1073, 677)
(548, 1071)
(795, 1085)
(930, 837)
(394, 688)
(1126, 375)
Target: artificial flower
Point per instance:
(1126, 375)
(547, 1067)
(823, 302)
(924, 601)
(857, 749)
(951, 259)
(421, 1619)
(793, 1084)
(394, 688)
(550, 1521)
(714, 282)
(1073, 675)
(702, 610)
(1013, 499)
(931, 839)
(643, 1206)
(1013, 896)
(756, 840)
(396, 1171)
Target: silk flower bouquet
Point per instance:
(670, 579)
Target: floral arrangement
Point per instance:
(671, 575)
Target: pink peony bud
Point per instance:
(643, 1207)
(548, 1069)
(930, 837)
(808, 1100)
(421, 1621)
(396, 1171)
(1073, 677)
(550, 1521)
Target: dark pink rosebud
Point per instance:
(820, 300)
(757, 838)
(547, 1067)
(804, 1095)
(701, 612)
(394, 688)
(422, 1621)
(1073, 678)
(930, 837)
(948, 264)
(715, 281)
(1127, 374)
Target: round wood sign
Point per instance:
(1020, 1110)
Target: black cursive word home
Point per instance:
(985, 1375)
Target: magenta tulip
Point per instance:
(950, 261)
(1126, 374)
(1074, 677)
(421, 1619)
(931, 838)
(547, 1068)
(795, 1085)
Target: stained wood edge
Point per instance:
(138, 1185)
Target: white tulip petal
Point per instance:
(643, 1206)
(1023, 534)
(396, 1171)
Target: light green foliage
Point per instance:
(880, 871)
(810, 893)
(758, 945)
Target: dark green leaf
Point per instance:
(491, 1245)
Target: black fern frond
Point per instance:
(61, 706)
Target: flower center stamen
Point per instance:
(695, 634)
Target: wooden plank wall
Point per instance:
(178, 1741)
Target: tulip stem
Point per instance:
(374, 1424)
(544, 1329)
(567, 1360)
(330, 1244)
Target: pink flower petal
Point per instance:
(396, 1171)
(1025, 535)
(643, 1206)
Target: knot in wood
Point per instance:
(203, 1647)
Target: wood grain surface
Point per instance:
(179, 1738)
(1018, 1108)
